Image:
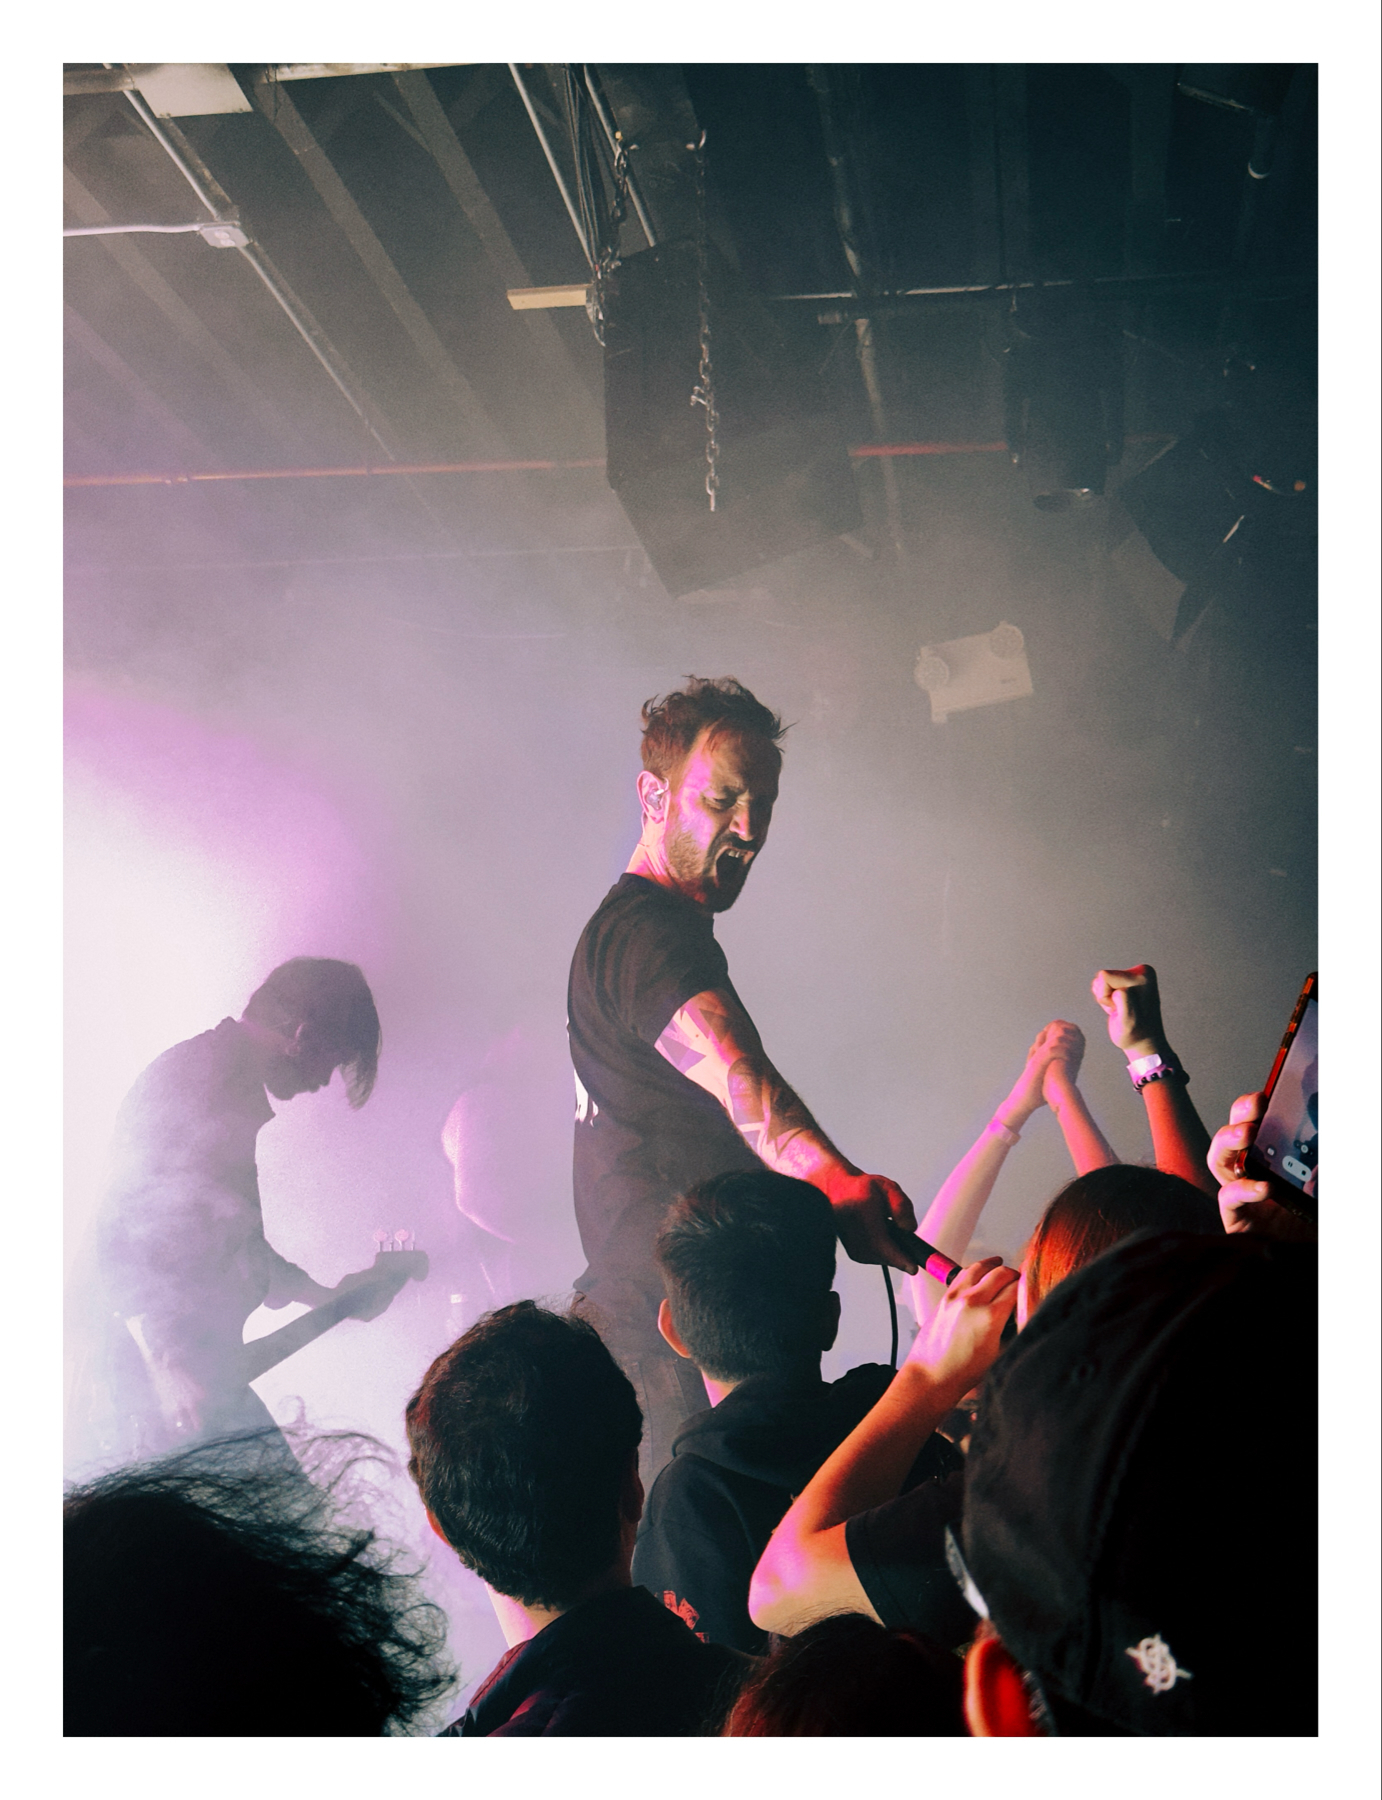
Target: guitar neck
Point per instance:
(267, 1352)
(391, 1270)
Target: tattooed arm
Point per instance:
(714, 1042)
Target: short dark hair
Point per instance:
(522, 1435)
(218, 1593)
(1096, 1211)
(847, 1676)
(332, 999)
(673, 722)
(748, 1258)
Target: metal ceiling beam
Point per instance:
(116, 81)
(224, 211)
(92, 344)
(178, 313)
(571, 395)
(281, 113)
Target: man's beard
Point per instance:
(719, 879)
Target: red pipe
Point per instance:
(498, 468)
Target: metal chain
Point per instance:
(607, 259)
(703, 394)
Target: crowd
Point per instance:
(1083, 1504)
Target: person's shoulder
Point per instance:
(194, 1061)
(636, 910)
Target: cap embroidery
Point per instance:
(1160, 1670)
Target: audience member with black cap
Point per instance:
(1145, 1560)
(748, 1259)
(524, 1438)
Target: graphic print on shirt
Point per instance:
(684, 1611)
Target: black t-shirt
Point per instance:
(733, 1474)
(898, 1553)
(644, 1131)
(616, 1666)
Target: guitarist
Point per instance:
(180, 1255)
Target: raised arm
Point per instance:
(953, 1214)
(1132, 1004)
(714, 1042)
(806, 1571)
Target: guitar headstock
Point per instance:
(395, 1258)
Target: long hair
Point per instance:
(1092, 1213)
(332, 999)
(848, 1676)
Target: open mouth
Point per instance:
(732, 860)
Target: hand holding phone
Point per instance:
(1283, 1152)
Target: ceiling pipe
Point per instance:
(613, 138)
(552, 163)
(116, 230)
(885, 451)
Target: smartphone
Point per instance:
(1285, 1152)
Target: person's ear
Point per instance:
(996, 1699)
(652, 797)
(669, 1330)
(830, 1321)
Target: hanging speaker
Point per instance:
(784, 474)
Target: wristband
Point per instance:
(1000, 1130)
(1145, 1069)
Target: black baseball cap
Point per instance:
(1140, 1494)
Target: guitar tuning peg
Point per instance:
(381, 1238)
(401, 1237)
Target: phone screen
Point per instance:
(1288, 1138)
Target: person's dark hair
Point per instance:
(218, 1593)
(848, 1676)
(522, 1436)
(332, 999)
(673, 722)
(748, 1258)
(1095, 1211)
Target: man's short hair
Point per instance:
(1140, 1491)
(332, 999)
(522, 1435)
(748, 1258)
(673, 722)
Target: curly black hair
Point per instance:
(220, 1593)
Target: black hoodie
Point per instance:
(734, 1472)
